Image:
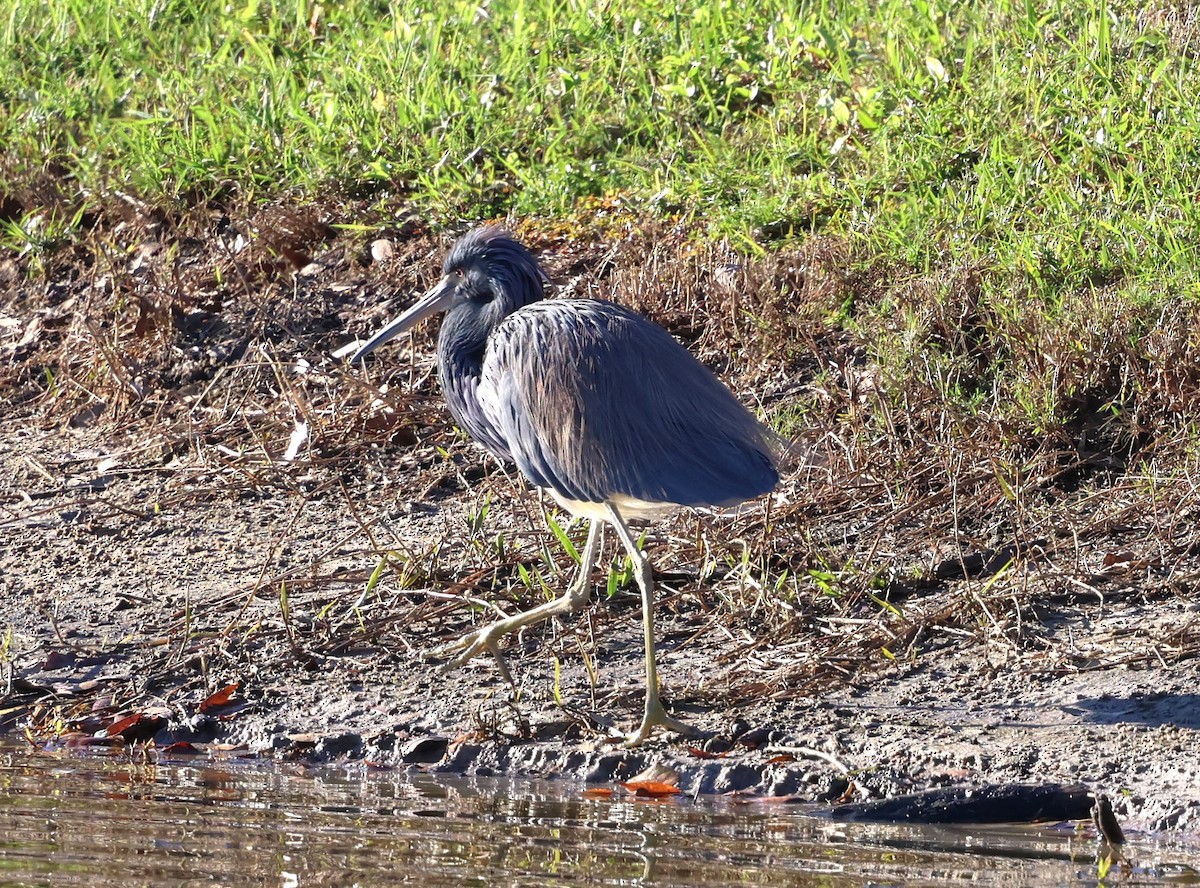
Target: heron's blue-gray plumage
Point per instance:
(591, 401)
(594, 402)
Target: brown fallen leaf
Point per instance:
(220, 698)
(304, 739)
(781, 759)
(599, 792)
(137, 727)
(122, 725)
(651, 789)
(697, 752)
(848, 795)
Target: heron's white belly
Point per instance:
(627, 506)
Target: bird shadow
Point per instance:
(1153, 709)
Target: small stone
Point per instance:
(425, 751)
(717, 745)
(382, 250)
(755, 737)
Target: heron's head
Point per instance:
(487, 276)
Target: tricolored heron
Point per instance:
(596, 405)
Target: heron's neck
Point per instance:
(461, 345)
(461, 348)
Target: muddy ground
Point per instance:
(159, 543)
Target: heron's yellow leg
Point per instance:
(655, 715)
(485, 639)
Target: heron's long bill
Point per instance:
(436, 300)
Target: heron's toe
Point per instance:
(470, 646)
(659, 719)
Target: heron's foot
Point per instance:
(656, 716)
(475, 643)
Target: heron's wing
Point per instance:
(595, 401)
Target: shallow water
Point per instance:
(71, 820)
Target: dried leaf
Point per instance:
(781, 759)
(651, 789)
(697, 752)
(220, 698)
(137, 727)
(599, 792)
(848, 795)
(122, 725)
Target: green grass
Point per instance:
(1058, 140)
(1046, 151)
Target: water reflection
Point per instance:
(87, 821)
